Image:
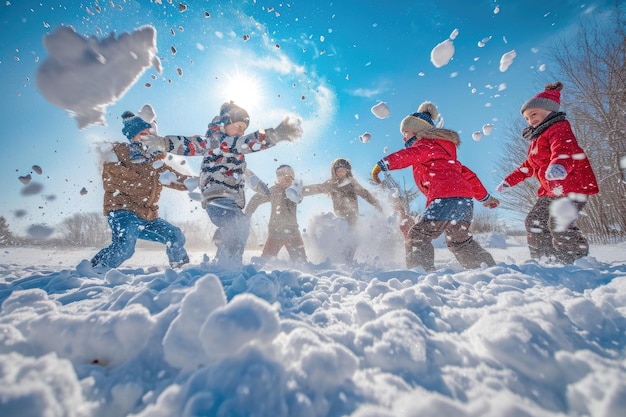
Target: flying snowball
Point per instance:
(365, 137)
(37, 169)
(477, 135)
(385, 149)
(38, 231)
(83, 191)
(507, 60)
(487, 128)
(85, 75)
(381, 110)
(442, 53)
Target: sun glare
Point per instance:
(244, 89)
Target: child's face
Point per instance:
(235, 129)
(285, 180)
(407, 134)
(141, 135)
(534, 116)
(341, 172)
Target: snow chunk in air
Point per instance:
(84, 75)
(507, 60)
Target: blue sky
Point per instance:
(329, 62)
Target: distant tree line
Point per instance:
(592, 67)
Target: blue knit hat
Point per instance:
(133, 124)
(422, 119)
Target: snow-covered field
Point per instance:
(523, 338)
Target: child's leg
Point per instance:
(124, 226)
(569, 244)
(538, 233)
(272, 247)
(295, 247)
(465, 249)
(232, 229)
(159, 230)
(419, 247)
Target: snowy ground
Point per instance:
(522, 338)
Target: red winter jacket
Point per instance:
(437, 172)
(556, 145)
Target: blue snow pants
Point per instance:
(232, 231)
(127, 227)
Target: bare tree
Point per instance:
(84, 229)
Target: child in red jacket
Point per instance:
(449, 188)
(565, 179)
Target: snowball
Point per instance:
(381, 110)
(507, 60)
(487, 128)
(365, 137)
(477, 135)
(442, 53)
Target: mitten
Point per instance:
(375, 171)
(294, 192)
(289, 129)
(155, 144)
(556, 172)
(491, 202)
(502, 187)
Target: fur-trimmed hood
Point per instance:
(435, 133)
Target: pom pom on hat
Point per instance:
(422, 119)
(548, 99)
(232, 113)
(133, 124)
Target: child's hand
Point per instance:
(491, 202)
(290, 129)
(155, 144)
(556, 172)
(502, 187)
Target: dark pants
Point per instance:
(421, 252)
(548, 236)
(232, 231)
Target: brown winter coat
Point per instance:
(136, 186)
(343, 193)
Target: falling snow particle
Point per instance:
(277, 46)
(179, 71)
(246, 37)
(542, 67)
(381, 110)
(173, 50)
(496, 10)
(487, 128)
(37, 169)
(476, 136)
(507, 60)
(182, 7)
(365, 137)
(83, 191)
(25, 179)
(303, 97)
(207, 15)
(148, 85)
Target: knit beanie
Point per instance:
(285, 170)
(133, 124)
(548, 99)
(422, 119)
(341, 163)
(232, 113)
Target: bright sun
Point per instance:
(244, 89)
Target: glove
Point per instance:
(155, 144)
(375, 171)
(556, 172)
(294, 193)
(289, 129)
(502, 187)
(491, 202)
